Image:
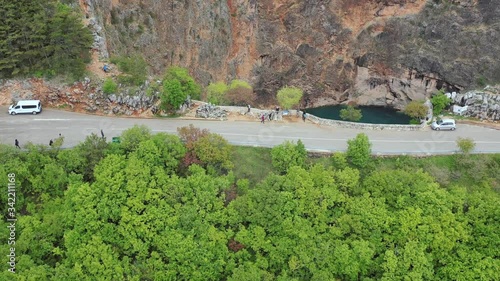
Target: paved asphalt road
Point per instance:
(75, 127)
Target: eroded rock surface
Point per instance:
(371, 52)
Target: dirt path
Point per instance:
(96, 67)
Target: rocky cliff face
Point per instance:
(380, 52)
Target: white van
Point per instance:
(26, 106)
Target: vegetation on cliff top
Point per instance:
(42, 38)
(238, 92)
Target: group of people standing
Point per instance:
(272, 113)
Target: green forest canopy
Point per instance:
(42, 37)
(135, 211)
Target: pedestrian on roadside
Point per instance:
(50, 143)
(102, 134)
(16, 142)
(304, 117)
(262, 119)
(248, 108)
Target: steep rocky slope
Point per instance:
(382, 52)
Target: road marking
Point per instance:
(320, 139)
(344, 139)
(53, 119)
(56, 119)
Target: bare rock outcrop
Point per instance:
(370, 51)
(210, 111)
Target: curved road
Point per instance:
(75, 127)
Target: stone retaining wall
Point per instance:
(255, 112)
(367, 126)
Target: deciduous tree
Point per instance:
(240, 93)
(216, 93)
(416, 109)
(214, 152)
(439, 102)
(173, 96)
(359, 150)
(131, 138)
(350, 114)
(287, 155)
(288, 97)
(466, 145)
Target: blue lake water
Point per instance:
(371, 114)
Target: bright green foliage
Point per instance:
(138, 219)
(84, 157)
(177, 86)
(172, 96)
(144, 214)
(58, 142)
(238, 92)
(109, 87)
(439, 102)
(134, 69)
(216, 93)
(162, 150)
(284, 225)
(42, 37)
(339, 160)
(214, 151)
(287, 155)
(206, 149)
(131, 138)
(466, 145)
(416, 109)
(350, 114)
(359, 150)
(236, 83)
(288, 97)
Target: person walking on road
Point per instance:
(102, 134)
(262, 118)
(304, 117)
(16, 142)
(248, 106)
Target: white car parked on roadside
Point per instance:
(444, 124)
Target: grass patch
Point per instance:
(441, 161)
(252, 163)
(324, 160)
(473, 171)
